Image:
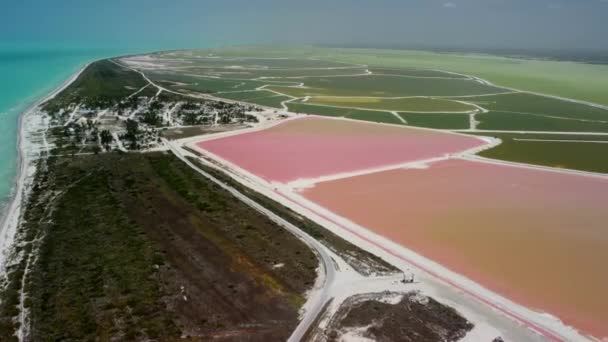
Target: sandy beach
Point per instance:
(26, 170)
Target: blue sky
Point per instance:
(200, 23)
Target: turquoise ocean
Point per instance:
(27, 74)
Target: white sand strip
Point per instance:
(26, 171)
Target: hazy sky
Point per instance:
(199, 23)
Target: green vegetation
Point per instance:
(259, 97)
(201, 84)
(120, 239)
(270, 101)
(363, 261)
(411, 72)
(247, 95)
(248, 63)
(584, 156)
(93, 242)
(399, 74)
(585, 82)
(539, 105)
(385, 86)
(439, 78)
(276, 75)
(438, 121)
(408, 320)
(233, 222)
(413, 104)
(356, 114)
(101, 84)
(298, 107)
(528, 112)
(300, 75)
(94, 276)
(208, 85)
(381, 117)
(512, 121)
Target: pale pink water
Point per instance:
(312, 147)
(539, 238)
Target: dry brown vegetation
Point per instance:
(414, 318)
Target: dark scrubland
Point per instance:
(140, 247)
(414, 318)
(362, 261)
(101, 84)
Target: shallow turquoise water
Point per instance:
(26, 74)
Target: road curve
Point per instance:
(321, 297)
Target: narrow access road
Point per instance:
(328, 265)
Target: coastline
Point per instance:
(9, 220)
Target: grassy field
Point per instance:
(382, 117)
(584, 156)
(261, 63)
(121, 240)
(201, 84)
(579, 81)
(351, 113)
(304, 108)
(260, 97)
(585, 82)
(414, 104)
(439, 121)
(269, 101)
(533, 104)
(428, 120)
(247, 95)
(276, 74)
(386, 86)
(533, 122)
(528, 112)
(411, 72)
